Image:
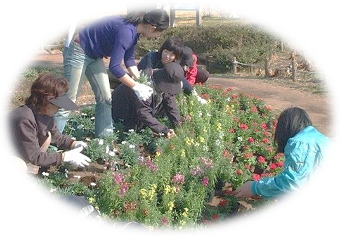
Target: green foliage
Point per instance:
(216, 45)
(168, 182)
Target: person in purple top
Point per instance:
(113, 37)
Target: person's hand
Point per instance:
(202, 100)
(244, 191)
(142, 91)
(75, 157)
(170, 134)
(80, 144)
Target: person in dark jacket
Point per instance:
(170, 51)
(136, 114)
(34, 129)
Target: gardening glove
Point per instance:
(80, 144)
(75, 157)
(142, 91)
(201, 100)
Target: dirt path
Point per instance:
(279, 97)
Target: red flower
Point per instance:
(251, 140)
(239, 172)
(244, 126)
(266, 140)
(223, 203)
(273, 166)
(280, 164)
(215, 217)
(256, 177)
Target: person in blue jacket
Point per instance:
(113, 37)
(304, 148)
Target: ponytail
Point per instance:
(157, 17)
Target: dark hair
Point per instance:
(46, 87)
(290, 122)
(173, 44)
(157, 17)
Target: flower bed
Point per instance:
(168, 183)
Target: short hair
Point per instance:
(45, 87)
(173, 44)
(290, 122)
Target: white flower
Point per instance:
(240, 139)
(131, 131)
(45, 174)
(101, 141)
(131, 146)
(93, 184)
(80, 126)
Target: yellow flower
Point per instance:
(171, 205)
(143, 192)
(201, 139)
(219, 127)
(183, 153)
(91, 200)
(167, 189)
(185, 213)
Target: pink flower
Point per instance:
(178, 179)
(262, 159)
(165, 221)
(251, 140)
(205, 181)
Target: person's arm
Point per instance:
(26, 137)
(298, 166)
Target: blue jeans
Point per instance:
(78, 67)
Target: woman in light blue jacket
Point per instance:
(304, 148)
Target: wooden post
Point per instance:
(294, 67)
(172, 17)
(267, 72)
(234, 62)
(198, 16)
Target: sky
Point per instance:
(311, 27)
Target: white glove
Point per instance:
(201, 100)
(142, 91)
(75, 157)
(80, 144)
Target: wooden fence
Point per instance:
(289, 70)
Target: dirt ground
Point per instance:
(318, 106)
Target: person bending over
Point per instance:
(136, 114)
(33, 128)
(304, 148)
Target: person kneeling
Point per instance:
(136, 114)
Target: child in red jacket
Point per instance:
(189, 63)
